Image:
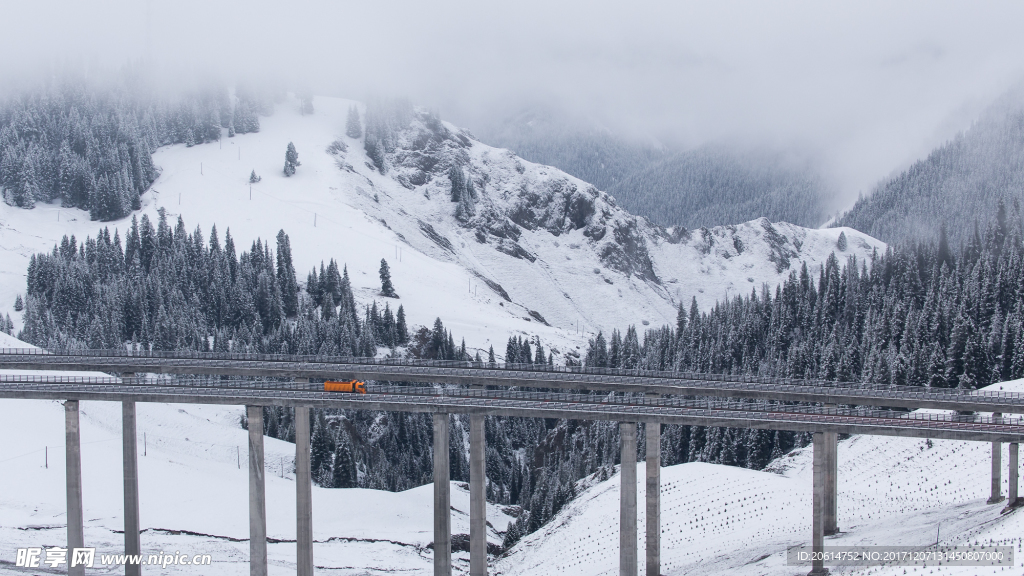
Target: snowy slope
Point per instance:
(552, 243)
(727, 520)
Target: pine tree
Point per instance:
(353, 128)
(386, 288)
(344, 474)
(458, 181)
(286, 280)
(291, 160)
(245, 119)
(512, 535)
(401, 327)
(19, 304)
(375, 152)
(320, 450)
(253, 178)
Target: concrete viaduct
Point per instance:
(508, 390)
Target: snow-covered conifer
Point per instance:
(386, 287)
(353, 127)
(291, 160)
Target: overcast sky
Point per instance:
(867, 86)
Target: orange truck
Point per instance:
(350, 386)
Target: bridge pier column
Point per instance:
(1013, 498)
(129, 441)
(831, 478)
(442, 499)
(477, 497)
(627, 500)
(653, 493)
(257, 495)
(997, 465)
(818, 504)
(303, 495)
(73, 451)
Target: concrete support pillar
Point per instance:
(831, 477)
(627, 500)
(257, 495)
(477, 497)
(653, 499)
(818, 504)
(442, 499)
(303, 495)
(73, 445)
(997, 466)
(129, 441)
(1014, 499)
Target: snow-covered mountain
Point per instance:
(536, 251)
(529, 249)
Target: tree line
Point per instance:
(92, 148)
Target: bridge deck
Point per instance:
(632, 408)
(515, 375)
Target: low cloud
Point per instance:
(863, 87)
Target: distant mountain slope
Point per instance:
(708, 186)
(957, 184)
(712, 186)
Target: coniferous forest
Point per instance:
(921, 315)
(92, 148)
